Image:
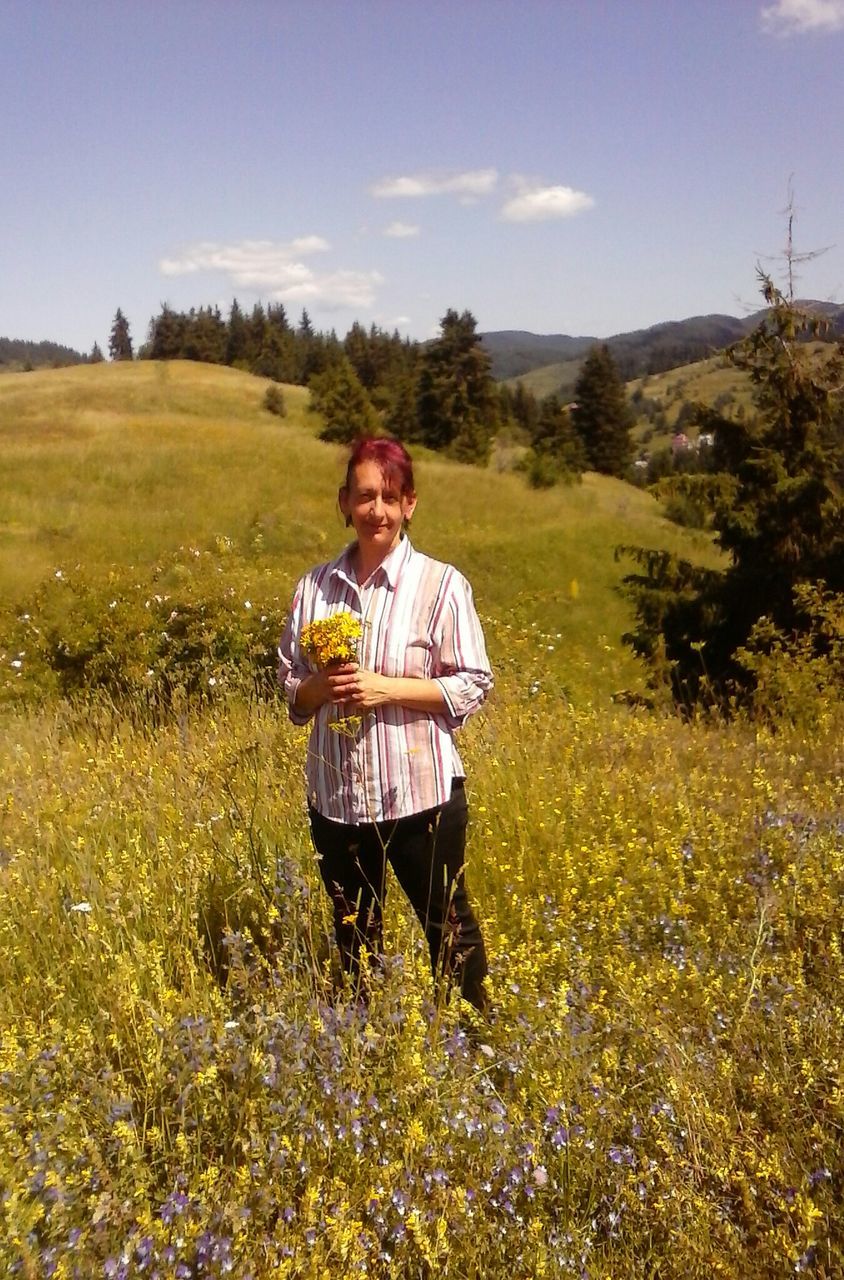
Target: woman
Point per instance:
(392, 788)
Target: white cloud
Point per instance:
(275, 268)
(534, 202)
(401, 230)
(793, 17)
(472, 183)
(335, 290)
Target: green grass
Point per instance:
(113, 466)
(185, 1089)
(550, 379)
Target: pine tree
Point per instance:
(96, 356)
(166, 335)
(554, 436)
(120, 341)
(456, 406)
(601, 415)
(778, 511)
(347, 412)
(237, 339)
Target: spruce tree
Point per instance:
(120, 341)
(555, 438)
(456, 406)
(237, 338)
(166, 335)
(777, 498)
(338, 395)
(601, 415)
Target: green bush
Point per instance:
(189, 630)
(799, 678)
(544, 470)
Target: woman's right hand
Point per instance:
(328, 685)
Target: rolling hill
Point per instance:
(107, 468)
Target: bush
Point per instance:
(189, 630)
(274, 402)
(544, 470)
(799, 678)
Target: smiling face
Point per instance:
(377, 508)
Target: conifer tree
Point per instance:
(601, 415)
(555, 437)
(338, 395)
(456, 406)
(237, 337)
(120, 341)
(166, 335)
(778, 511)
(96, 356)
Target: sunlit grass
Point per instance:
(116, 467)
(186, 1092)
(659, 1091)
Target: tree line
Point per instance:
(770, 486)
(440, 394)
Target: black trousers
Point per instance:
(426, 852)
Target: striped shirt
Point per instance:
(418, 620)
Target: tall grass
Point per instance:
(188, 1090)
(659, 1090)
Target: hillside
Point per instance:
(550, 363)
(110, 466)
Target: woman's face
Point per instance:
(376, 507)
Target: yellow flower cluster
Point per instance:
(333, 639)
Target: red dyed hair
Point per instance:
(391, 456)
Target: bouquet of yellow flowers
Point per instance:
(333, 639)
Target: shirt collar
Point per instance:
(390, 567)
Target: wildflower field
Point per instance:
(184, 1090)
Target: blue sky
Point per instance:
(580, 167)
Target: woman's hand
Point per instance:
(357, 688)
(322, 686)
(362, 690)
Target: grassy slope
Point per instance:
(116, 465)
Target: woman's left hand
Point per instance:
(360, 689)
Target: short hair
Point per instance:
(391, 456)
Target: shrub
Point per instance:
(544, 470)
(274, 401)
(189, 630)
(799, 677)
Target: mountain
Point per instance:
(515, 351)
(642, 351)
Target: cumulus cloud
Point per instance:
(793, 17)
(535, 202)
(401, 230)
(470, 184)
(275, 268)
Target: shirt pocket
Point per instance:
(409, 658)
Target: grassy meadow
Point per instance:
(184, 1092)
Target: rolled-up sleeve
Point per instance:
(461, 665)
(291, 669)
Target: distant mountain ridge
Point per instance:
(660, 347)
